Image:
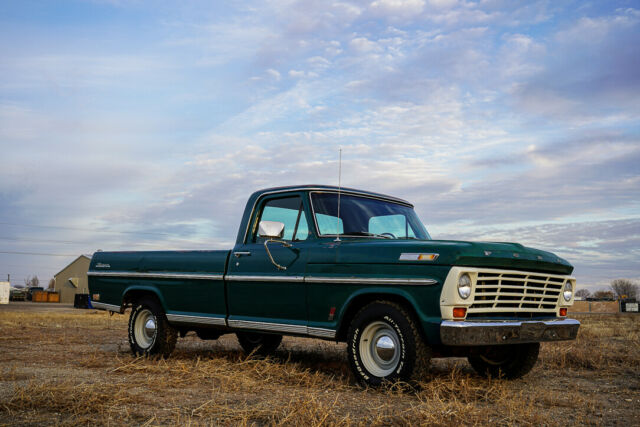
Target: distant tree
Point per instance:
(624, 288)
(52, 283)
(583, 293)
(603, 294)
(31, 282)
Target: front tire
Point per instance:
(257, 343)
(505, 361)
(385, 345)
(149, 330)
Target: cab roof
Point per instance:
(329, 188)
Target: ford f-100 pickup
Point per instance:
(350, 266)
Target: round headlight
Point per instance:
(568, 291)
(464, 286)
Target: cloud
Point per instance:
(497, 119)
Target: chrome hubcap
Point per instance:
(385, 348)
(150, 328)
(145, 329)
(379, 349)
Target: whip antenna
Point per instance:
(339, 188)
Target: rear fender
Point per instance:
(134, 292)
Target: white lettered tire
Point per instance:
(149, 330)
(384, 344)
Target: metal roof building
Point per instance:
(72, 279)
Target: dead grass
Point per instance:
(75, 368)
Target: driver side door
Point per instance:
(260, 295)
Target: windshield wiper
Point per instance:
(366, 233)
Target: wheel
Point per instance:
(385, 345)
(257, 343)
(505, 361)
(149, 330)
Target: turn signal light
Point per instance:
(459, 312)
(563, 311)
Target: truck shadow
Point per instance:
(304, 355)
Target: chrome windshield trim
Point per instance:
(103, 306)
(370, 280)
(201, 320)
(242, 278)
(313, 210)
(198, 276)
(309, 190)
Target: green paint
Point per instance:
(306, 303)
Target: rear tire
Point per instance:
(506, 361)
(149, 330)
(384, 344)
(257, 343)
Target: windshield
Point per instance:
(363, 216)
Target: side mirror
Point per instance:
(271, 229)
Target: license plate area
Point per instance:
(532, 330)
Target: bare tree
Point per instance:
(52, 283)
(31, 282)
(583, 293)
(624, 288)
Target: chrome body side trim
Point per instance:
(195, 276)
(199, 320)
(241, 278)
(321, 332)
(103, 306)
(266, 326)
(371, 280)
(471, 333)
(283, 327)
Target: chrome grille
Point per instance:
(512, 292)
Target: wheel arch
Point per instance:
(136, 292)
(360, 299)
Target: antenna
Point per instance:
(339, 188)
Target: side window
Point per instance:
(290, 211)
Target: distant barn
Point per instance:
(72, 279)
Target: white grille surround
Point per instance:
(505, 293)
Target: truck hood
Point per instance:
(450, 252)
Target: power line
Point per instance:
(69, 242)
(66, 242)
(84, 229)
(34, 253)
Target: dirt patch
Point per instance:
(74, 367)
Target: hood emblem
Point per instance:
(487, 253)
(516, 255)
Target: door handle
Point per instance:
(243, 253)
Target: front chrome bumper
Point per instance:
(507, 332)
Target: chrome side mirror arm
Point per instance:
(285, 244)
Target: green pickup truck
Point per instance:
(350, 266)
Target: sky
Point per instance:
(142, 125)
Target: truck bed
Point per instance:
(184, 281)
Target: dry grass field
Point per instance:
(74, 367)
